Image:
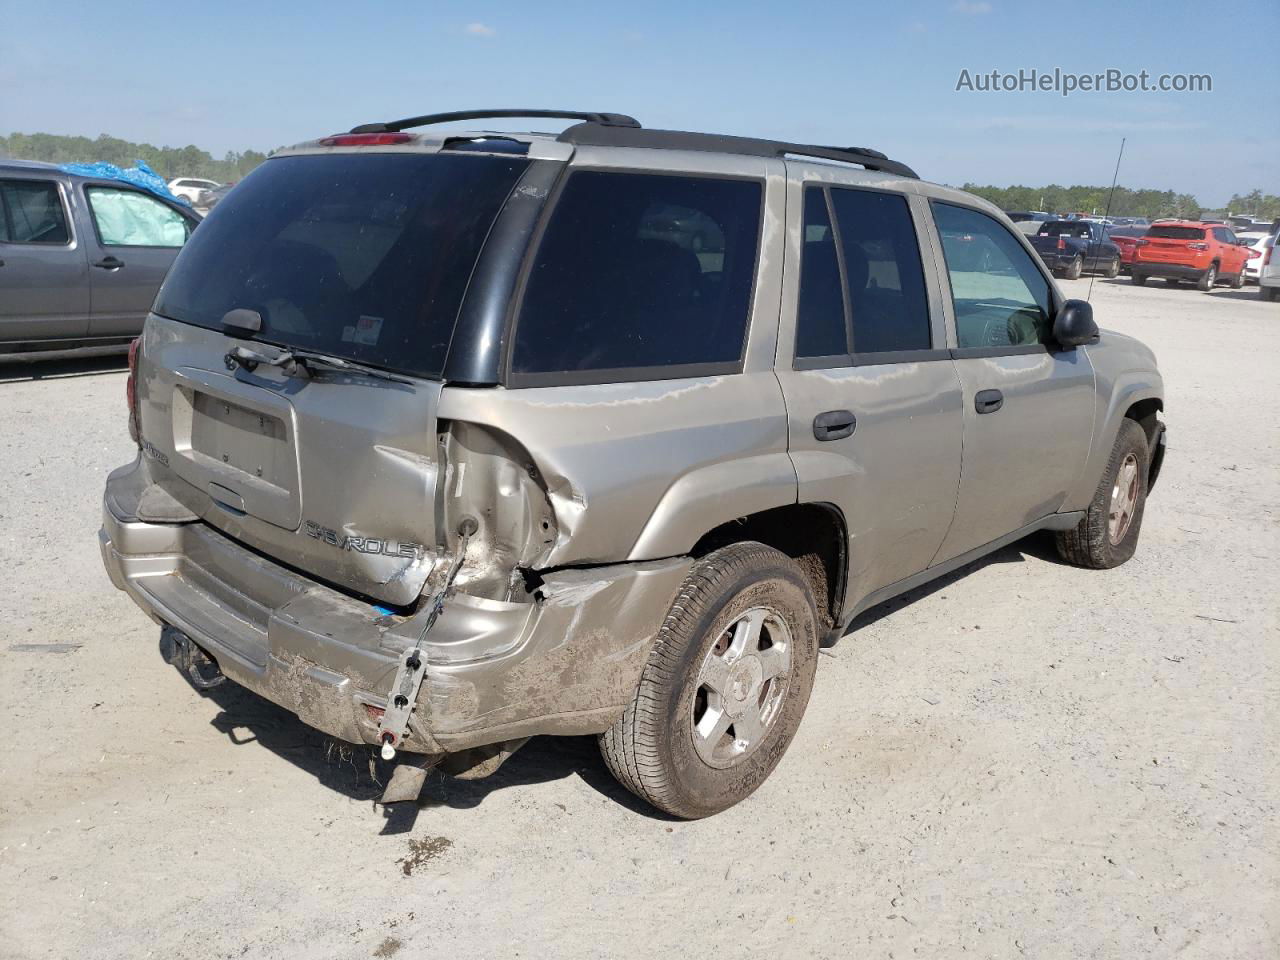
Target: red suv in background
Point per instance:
(1203, 253)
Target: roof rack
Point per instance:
(427, 119)
(619, 130)
(594, 134)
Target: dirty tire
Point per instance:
(650, 749)
(1089, 544)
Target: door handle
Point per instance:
(988, 401)
(109, 263)
(834, 425)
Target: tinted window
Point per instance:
(1161, 232)
(362, 256)
(1000, 297)
(821, 330)
(882, 271)
(31, 212)
(1064, 228)
(640, 270)
(126, 218)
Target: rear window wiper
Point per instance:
(304, 363)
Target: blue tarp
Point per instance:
(140, 176)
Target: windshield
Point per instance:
(361, 257)
(1175, 233)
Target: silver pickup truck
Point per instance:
(446, 440)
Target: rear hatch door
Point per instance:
(1172, 244)
(363, 259)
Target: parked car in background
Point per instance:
(1256, 244)
(1269, 271)
(1070, 247)
(189, 188)
(1249, 224)
(209, 199)
(1126, 240)
(1196, 251)
(81, 258)
(615, 456)
(1018, 216)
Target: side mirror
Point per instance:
(1074, 326)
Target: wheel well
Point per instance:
(1144, 414)
(813, 534)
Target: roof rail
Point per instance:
(427, 119)
(595, 134)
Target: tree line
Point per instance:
(169, 162)
(191, 161)
(1126, 203)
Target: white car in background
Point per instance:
(1257, 242)
(1269, 271)
(190, 187)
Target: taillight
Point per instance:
(1197, 246)
(1062, 243)
(131, 391)
(365, 139)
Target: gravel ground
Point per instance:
(1025, 759)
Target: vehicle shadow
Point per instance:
(1039, 545)
(357, 772)
(1244, 293)
(17, 367)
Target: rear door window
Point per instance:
(1000, 297)
(365, 257)
(862, 292)
(31, 211)
(640, 276)
(882, 271)
(126, 218)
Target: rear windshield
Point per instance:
(1176, 233)
(362, 257)
(1065, 230)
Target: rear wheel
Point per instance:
(1208, 278)
(1108, 534)
(1113, 270)
(1074, 269)
(1238, 280)
(725, 686)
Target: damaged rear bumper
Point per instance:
(564, 662)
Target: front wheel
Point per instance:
(725, 686)
(1208, 279)
(1108, 534)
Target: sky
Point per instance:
(236, 75)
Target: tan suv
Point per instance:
(451, 439)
